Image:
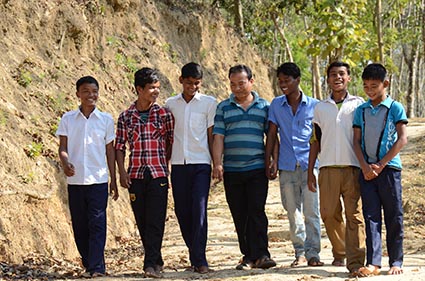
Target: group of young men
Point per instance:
(358, 144)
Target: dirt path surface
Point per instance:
(125, 262)
(223, 252)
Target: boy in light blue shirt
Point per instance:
(291, 115)
(379, 135)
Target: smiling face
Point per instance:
(288, 84)
(190, 85)
(375, 90)
(240, 85)
(149, 93)
(338, 79)
(88, 93)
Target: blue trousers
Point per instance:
(246, 194)
(191, 186)
(383, 192)
(87, 204)
(148, 198)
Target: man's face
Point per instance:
(190, 85)
(288, 84)
(240, 85)
(338, 78)
(149, 93)
(88, 94)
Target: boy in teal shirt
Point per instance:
(379, 135)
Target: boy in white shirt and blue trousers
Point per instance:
(87, 152)
(191, 162)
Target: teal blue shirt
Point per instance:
(243, 132)
(378, 126)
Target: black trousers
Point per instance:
(148, 199)
(87, 204)
(191, 186)
(246, 194)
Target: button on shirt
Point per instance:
(192, 119)
(294, 131)
(87, 140)
(146, 140)
(337, 131)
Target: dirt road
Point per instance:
(223, 252)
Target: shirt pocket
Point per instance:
(97, 136)
(134, 133)
(156, 129)
(198, 124)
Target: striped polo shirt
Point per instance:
(243, 132)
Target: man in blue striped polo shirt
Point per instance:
(238, 156)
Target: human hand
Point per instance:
(369, 173)
(311, 182)
(69, 169)
(271, 170)
(218, 173)
(113, 190)
(125, 180)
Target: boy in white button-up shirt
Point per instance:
(87, 152)
(191, 162)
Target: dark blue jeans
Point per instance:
(191, 186)
(87, 204)
(383, 192)
(148, 198)
(246, 194)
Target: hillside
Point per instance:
(46, 46)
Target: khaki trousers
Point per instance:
(347, 238)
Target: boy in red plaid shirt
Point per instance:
(148, 130)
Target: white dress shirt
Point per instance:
(337, 131)
(87, 140)
(192, 119)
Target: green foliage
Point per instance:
(3, 118)
(34, 149)
(167, 48)
(113, 41)
(58, 103)
(24, 78)
(25, 179)
(53, 126)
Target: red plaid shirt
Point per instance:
(148, 141)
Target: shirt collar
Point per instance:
(348, 97)
(197, 96)
(386, 102)
(256, 97)
(96, 113)
(133, 108)
(303, 98)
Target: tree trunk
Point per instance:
(238, 15)
(281, 32)
(411, 61)
(378, 12)
(317, 89)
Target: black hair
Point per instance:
(290, 69)
(338, 64)
(193, 70)
(86, 80)
(241, 68)
(145, 76)
(374, 71)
